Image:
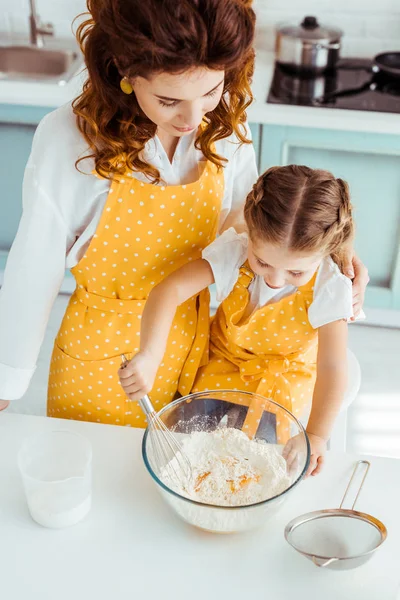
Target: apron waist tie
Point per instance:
(112, 305)
(271, 373)
(273, 384)
(272, 376)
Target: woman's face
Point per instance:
(178, 103)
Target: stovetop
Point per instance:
(364, 89)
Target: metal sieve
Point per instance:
(337, 538)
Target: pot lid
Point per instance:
(310, 29)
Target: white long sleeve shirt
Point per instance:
(61, 210)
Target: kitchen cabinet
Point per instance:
(17, 128)
(256, 132)
(371, 165)
(15, 144)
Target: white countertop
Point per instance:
(51, 95)
(131, 545)
(33, 93)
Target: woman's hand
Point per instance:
(358, 273)
(296, 445)
(137, 376)
(3, 404)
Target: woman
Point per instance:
(124, 187)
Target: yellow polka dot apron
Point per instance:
(145, 233)
(271, 352)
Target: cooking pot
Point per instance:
(308, 48)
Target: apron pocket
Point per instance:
(88, 390)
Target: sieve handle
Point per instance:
(357, 465)
(325, 563)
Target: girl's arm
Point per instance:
(137, 377)
(330, 387)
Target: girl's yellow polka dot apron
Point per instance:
(272, 352)
(145, 233)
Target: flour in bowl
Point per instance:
(229, 469)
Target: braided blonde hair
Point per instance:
(302, 209)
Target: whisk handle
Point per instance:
(146, 405)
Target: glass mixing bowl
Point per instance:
(207, 411)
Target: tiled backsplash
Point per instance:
(370, 26)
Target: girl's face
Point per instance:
(280, 266)
(178, 103)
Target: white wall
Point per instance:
(14, 15)
(370, 26)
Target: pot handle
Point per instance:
(325, 563)
(331, 46)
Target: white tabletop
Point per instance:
(132, 544)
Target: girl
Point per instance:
(281, 327)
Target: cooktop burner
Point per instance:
(353, 85)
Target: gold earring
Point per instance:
(126, 86)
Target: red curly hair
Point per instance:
(145, 37)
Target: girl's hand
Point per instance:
(358, 272)
(296, 445)
(3, 404)
(137, 376)
(318, 449)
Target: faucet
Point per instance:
(37, 28)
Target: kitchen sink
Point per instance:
(40, 64)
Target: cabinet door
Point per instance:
(15, 146)
(256, 135)
(371, 165)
